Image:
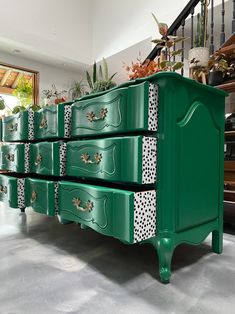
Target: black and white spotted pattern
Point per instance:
(144, 215)
(153, 107)
(67, 121)
(56, 195)
(26, 157)
(21, 193)
(30, 125)
(149, 160)
(62, 158)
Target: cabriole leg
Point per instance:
(165, 249)
(217, 241)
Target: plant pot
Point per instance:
(198, 53)
(215, 78)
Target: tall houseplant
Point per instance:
(199, 54)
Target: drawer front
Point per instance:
(15, 127)
(122, 110)
(14, 157)
(42, 196)
(12, 191)
(53, 122)
(123, 159)
(48, 158)
(125, 215)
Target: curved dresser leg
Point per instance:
(217, 241)
(64, 221)
(165, 249)
(82, 226)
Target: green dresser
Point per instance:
(142, 163)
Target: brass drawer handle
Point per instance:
(86, 158)
(88, 205)
(33, 197)
(3, 189)
(12, 127)
(10, 157)
(91, 116)
(38, 160)
(43, 123)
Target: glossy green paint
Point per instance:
(39, 195)
(127, 111)
(45, 158)
(15, 127)
(120, 159)
(111, 214)
(12, 157)
(49, 122)
(8, 191)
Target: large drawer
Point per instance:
(53, 121)
(16, 127)
(12, 191)
(128, 216)
(14, 157)
(122, 110)
(41, 196)
(124, 159)
(48, 158)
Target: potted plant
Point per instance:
(200, 52)
(53, 96)
(101, 81)
(77, 89)
(218, 68)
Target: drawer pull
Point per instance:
(10, 157)
(86, 158)
(12, 127)
(3, 189)
(88, 205)
(43, 123)
(38, 160)
(91, 116)
(33, 197)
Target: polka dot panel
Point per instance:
(153, 107)
(149, 160)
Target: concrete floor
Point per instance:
(49, 268)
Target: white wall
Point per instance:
(62, 28)
(121, 24)
(62, 78)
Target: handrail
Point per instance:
(174, 26)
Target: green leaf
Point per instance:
(157, 41)
(2, 103)
(88, 77)
(178, 39)
(100, 73)
(176, 52)
(178, 65)
(105, 67)
(112, 76)
(156, 20)
(94, 73)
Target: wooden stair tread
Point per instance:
(227, 87)
(228, 50)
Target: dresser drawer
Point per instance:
(53, 121)
(14, 157)
(12, 191)
(16, 127)
(42, 196)
(48, 158)
(123, 159)
(122, 110)
(128, 216)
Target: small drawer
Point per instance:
(128, 216)
(48, 158)
(15, 157)
(122, 110)
(42, 196)
(53, 121)
(12, 191)
(16, 127)
(121, 159)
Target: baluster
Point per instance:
(182, 46)
(192, 36)
(174, 48)
(212, 47)
(222, 33)
(233, 21)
